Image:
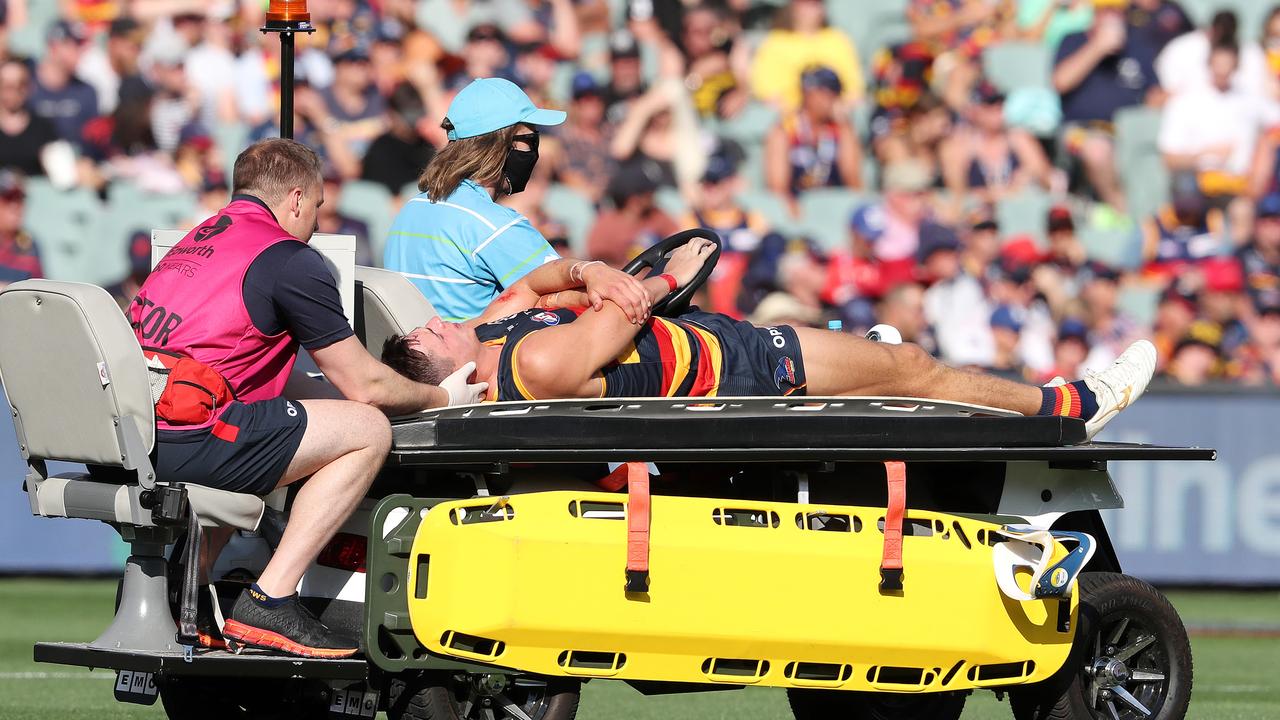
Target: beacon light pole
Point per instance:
(287, 17)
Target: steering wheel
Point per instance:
(677, 300)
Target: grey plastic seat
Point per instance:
(77, 387)
(387, 304)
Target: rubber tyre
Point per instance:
(197, 698)
(845, 705)
(1065, 695)
(428, 696)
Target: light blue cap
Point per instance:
(490, 104)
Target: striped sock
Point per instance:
(1070, 400)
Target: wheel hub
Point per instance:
(489, 683)
(1109, 672)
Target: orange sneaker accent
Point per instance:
(266, 639)
(213, 642)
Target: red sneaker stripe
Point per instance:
(258, 637)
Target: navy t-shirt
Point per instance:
(1118, 81)
(68, 109)
(288, 287)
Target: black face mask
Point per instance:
(518, 166)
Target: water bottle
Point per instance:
(835, 326)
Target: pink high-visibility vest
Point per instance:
(193, 304)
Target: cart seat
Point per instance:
(387, 304)
(77, 386)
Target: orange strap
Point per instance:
(891, 558)
(637, 527)
(616, 480)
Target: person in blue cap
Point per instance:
(462, 249)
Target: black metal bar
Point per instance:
(213, 663)
(286, 83)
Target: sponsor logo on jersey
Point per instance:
(546, 318)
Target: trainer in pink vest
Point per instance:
(193, 304)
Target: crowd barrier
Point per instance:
(1184, 523)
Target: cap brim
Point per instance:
(544, 117)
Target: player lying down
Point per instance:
(543, 339)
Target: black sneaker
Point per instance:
(288, 627)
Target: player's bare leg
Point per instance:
(843, 364)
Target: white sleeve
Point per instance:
(1177, 127)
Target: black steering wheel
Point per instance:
(677, 300)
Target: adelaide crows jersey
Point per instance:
(694, 355)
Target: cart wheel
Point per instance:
(1131, 659)
(846, 705)
(203, 698)
(492, 696)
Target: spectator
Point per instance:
(915, 132)
(23, 135)
(484, 55)
(954, 304)
(1212, 131)
(1195, 360)
(815, 146)
(1156, 22)
(1069, 350)
(396, 157)
(660, 130)
(1259, 360)
(586, 163)
(356, 111)
(981, 247)
(903, 308)
(330, 219)
(1049, 21)
(716, 207)
(904, 209)
(1066, 252)
(634, 223)
(854, 275)
(139, 255)
(1185, 64)
(626, 79)
(1184, 231)
(57, 94)
(801, 39)
(714, 63)
(211, 70)
(1175, 314)
(965, 25)
(1006, 333)
(989, 159)
(175, 103)
(1111, 329)
(1271, 41)
(112, 69)
(1260, 258)
(450, 20)
(1096, 73)
(19, 254)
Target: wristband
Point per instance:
(671, 281)
(575, 272)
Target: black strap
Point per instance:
(187, 632)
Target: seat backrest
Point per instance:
(74, 375)
(387, 304)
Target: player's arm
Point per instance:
(560, 283)
(561, 361)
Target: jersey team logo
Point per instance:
(786, 371)
(546, 318)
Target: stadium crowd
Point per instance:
(1024, 186)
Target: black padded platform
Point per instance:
(748, 429)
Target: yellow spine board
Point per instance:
(740, 592)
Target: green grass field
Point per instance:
(1235, 676)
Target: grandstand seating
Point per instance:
(772, 208)
(1024, 214)
(575, 210)
(1138, 160)
(369, 202)
(1014, 65)
(825, 213)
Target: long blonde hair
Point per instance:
(478, 158)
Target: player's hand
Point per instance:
(688, 259)
(460, 389)
(604, 283)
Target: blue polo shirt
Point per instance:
(463, 251)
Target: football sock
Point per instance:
(264, 599)
(1070, 400)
